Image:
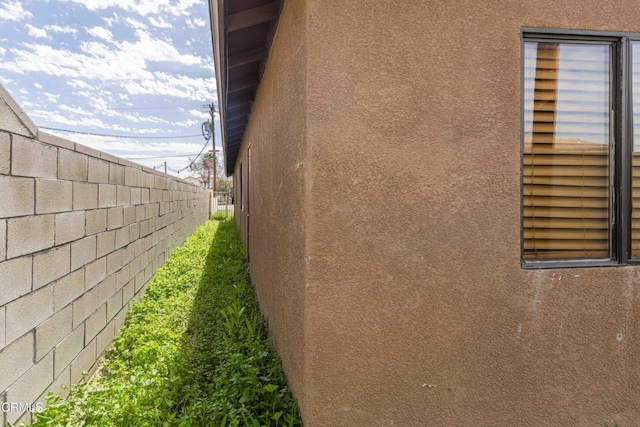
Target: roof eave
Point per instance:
(216, 10)
(241, 33)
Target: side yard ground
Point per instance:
(193, 352)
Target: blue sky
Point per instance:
(123, 67)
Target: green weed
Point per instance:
(221, 215)
(193, 352)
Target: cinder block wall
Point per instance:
(81, 234)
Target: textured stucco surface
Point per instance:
(276, 135)
(418, 312)
(385, 224)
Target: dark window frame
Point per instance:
(622, 123)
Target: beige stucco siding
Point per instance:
(418, 312)
(276, 134)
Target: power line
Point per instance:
(208, 134)
(118, 136)
(172, 108)
(160, 157)
(194, 160)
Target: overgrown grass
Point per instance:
(222, 215)
(193, 352)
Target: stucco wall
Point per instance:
(276, 185)
(418, 311)
(81, 234)
(385, 224)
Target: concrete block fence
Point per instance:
(81, 234)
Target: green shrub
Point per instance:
(193, 352)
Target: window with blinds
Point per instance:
(635, 160)
(567, 168)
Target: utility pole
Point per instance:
(165, 168)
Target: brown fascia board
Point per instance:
(250, 17)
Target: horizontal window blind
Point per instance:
(567, 162)
(635, 217)
(635, 161)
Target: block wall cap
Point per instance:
(13, 119)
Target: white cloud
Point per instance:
(186, 123)
(110, 21)
(209, 65)
(51, 97)
(96, 49)
(99, 103)
(151, 131)
(125, 61)
(200, 114)
(140, 7)
(174, 85)
(100, 33)
(116, 70)
(195, 22)
(160, 22)
(60, 30)
(36, 32)
(102, 107)
(29, 104)
(12, 10)
(183, 5)
(153, 49)
(135, 24)
(91, 122)
(79, 84)
(75, 110)
(136, 117)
